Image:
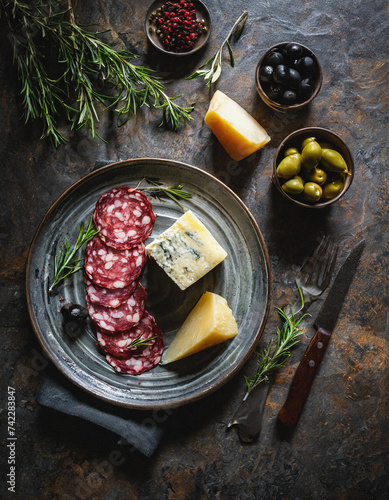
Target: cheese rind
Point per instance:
(238, 132)
(186, 251)
(209, 323)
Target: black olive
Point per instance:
(275, 92)
(292, 51)
(266, 74)
(74, 312)
(73, 328)
(74, 319)
(307, 66)
(275, 58)
(289, 97)
(294, 79)
(281, 74)
(295, 64)
(306, 88)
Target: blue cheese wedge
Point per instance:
(186, 251)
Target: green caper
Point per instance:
(312, 192)
(333, 161)
(293, 186)
(332, 188)
(306, 141)
(311, 155)
(316, 175)
(289, 166)
(291, 151)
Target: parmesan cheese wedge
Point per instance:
(209, 323)
(238, 132)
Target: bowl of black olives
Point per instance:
(288, 77)
(313, 167)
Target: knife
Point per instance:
(325, 323)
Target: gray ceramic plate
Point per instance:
(244, 279)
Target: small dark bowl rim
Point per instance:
(207, 17)
(285, 107)
(321, 133)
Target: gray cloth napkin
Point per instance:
(59, 393)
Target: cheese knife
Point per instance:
(325, 322)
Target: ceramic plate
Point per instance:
(243, 278)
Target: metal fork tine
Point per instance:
(329, 267)
(315, 274)
(309, 265)
(322, 261)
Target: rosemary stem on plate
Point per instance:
(174, 192)
(141, 342)
(66, 262)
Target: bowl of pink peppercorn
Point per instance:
(178, 28)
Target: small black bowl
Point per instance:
(202, 15)
(288, 108)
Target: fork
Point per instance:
(315, 274)
(313, 278)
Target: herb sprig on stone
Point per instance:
(67, 72)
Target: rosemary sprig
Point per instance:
(213, 67)
(66, 263)
(287, 337)
(65, 71)
(173, 192)
(141, 342)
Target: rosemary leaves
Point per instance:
(287, 337)
(66, 72)
(213, 67)
(66, 261)
(174, 192)
(140, 342)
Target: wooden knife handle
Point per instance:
(303, 378)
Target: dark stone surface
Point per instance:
(340, 447)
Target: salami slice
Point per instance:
(124, 217)
(109, 297)
(117, 344)
(120, 318)
(112, 268)
(137, 364)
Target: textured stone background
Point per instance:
(340, 447)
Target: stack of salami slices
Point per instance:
(116, 300)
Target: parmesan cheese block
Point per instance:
(238, 132)
(186, 251)
(209, 323)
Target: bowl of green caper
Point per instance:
(313, 167)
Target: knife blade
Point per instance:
(325, 323)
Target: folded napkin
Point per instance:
(59, 393)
